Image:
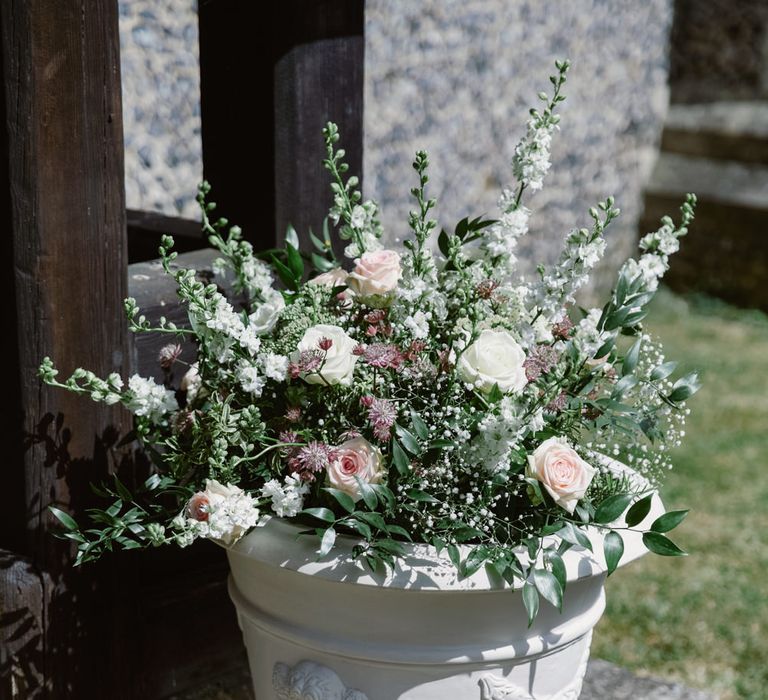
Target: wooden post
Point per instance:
(64, 251)
(302, 61)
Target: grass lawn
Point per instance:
(703, 619)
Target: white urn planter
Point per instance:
(331, 630)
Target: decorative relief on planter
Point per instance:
(308, 680)
(498, 688)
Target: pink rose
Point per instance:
(375, 274)
(198, 506)
(561, 471)
(355, 458)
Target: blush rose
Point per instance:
(376, 274)
(355, 458)
(561, 471)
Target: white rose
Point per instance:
(338, 360)
(561, 471)
(375, 274)
(494, 358)
(265, 317)
(355, 458)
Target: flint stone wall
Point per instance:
(453, 77)
(457, 78)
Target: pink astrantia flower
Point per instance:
(563, 328)
(310, 459)
(383, 356)
(168, 355)
(540, 360)
(382, 415)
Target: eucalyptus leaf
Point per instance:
(419, 426)
(327, 542)
(323, 514)
(660, 544)
(399, 458)
(548, 587)
(612, 507)
(408, 441)
(342, 498)
(531, 601)
(613, 548)
(639, 510)
(64, 518)
(668, 521)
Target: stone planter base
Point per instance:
(330, 630)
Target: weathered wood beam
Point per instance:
(145, 228)
(302, 61)
(64, 217)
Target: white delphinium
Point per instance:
(531, 160)
(657, 247)
(586, 337)
(288, 497)
(147, 398)
(358, 222)
(583, 249)
(500, 240)
(363, 220)
(249, 378)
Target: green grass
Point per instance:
(703, 619)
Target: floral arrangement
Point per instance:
(430, 395)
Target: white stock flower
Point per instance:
(531, 160)
(249, 378)
(287, 498)
(275, 366)
(339, 360)
(418, 324)
(222, 513)
(147, 398)
(586, 337)
(250, 340)
(494, 358)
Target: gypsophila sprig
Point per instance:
(428, 395)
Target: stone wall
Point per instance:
(455, 77)
(161, 105)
